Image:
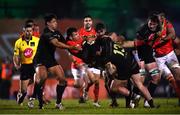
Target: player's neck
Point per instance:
(88, 29)
(50, 28)
(27, 38)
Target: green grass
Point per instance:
(168, 106)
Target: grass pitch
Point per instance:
(167, 106)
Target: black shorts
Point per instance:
(47, 62)
(126, 71)
(145, 54)
(27, 71)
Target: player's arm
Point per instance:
(17, 62)
(58, 44)
(128, 44)
(16, 58)
(170, 33)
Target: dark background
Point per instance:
(122, 16)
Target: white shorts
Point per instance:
(78, 72)
(167, 62)
(94, 70)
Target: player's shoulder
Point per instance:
(46, 32)
(35, 37)
(19, 40)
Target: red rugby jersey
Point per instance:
(162, 49)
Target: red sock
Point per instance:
(80, 92)
(96, 92)
(174, 85)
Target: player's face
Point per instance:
(75, 35)
(161, 18)
(53, 23)
(28, 32)
(152, 25)
(101, 32)
(88, 22)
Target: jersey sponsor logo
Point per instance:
(28, 52)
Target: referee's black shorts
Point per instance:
(27, 71)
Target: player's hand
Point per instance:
(77, 65)
(77, 47)
(162, 40)
(17, 67)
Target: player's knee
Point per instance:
(155, 74)
(77, 84)
(170, 78)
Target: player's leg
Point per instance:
(155, 75)
(96, 90)
(22, 91)
(138, 80)
(41, 76)
(62, 83)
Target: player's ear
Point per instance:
(108, 64)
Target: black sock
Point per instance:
(113, 97)
(24, 94)
(40, 93)
(111, 94)
(136, 90)
(151, 103)
(60, 90)
(35, 90)
(127, 101)
(22, 97)
(152, 88)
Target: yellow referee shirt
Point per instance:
(26, 50)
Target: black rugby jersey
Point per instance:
(46, 49)
(145, 51)
(121, 57)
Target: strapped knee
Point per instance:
(154, 71)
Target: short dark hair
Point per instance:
(158, 12)
(88, 16)
(48, 17)
(27, 22)
(28, 26)
(154, 18)
(70, 31)
(100, 26)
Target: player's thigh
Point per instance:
(41, 73)
(116, 84)
(78, 82)
(137, 79)
(58, 72)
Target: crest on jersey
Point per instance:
(28, 52)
